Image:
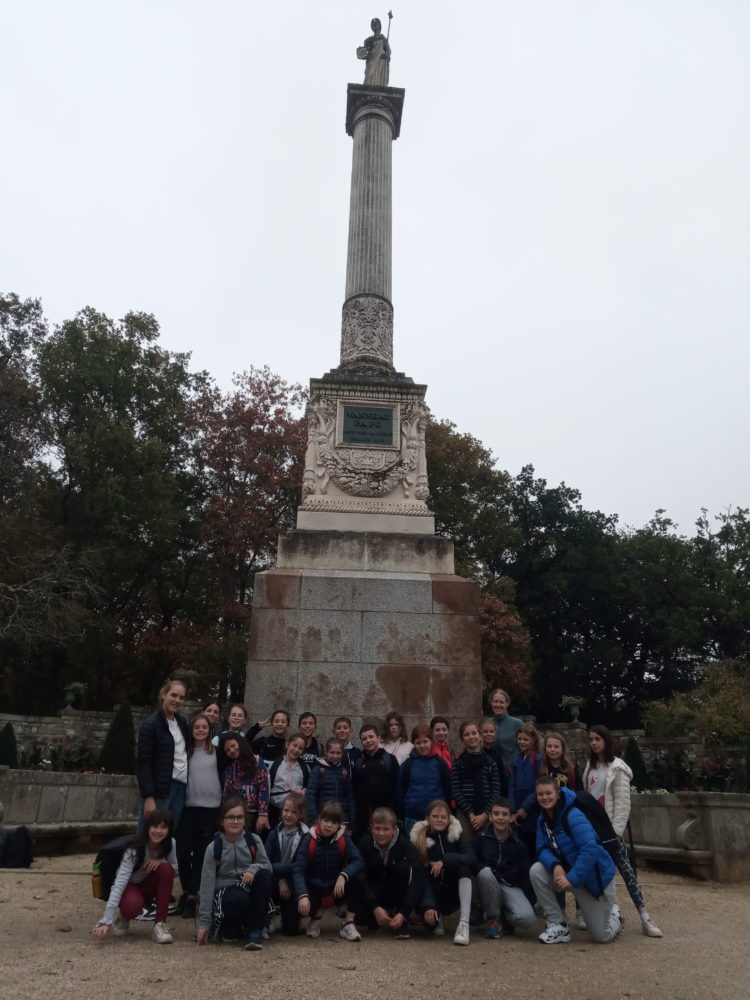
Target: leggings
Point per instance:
(619, 854)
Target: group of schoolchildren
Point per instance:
(403, 833)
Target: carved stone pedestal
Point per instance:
(363, 623)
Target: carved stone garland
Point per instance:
(365, 472)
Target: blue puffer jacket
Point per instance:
(590, 865)
(421, 780)
(330, 783)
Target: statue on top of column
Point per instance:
(376, 50)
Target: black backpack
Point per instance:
(105, 865)
(597, 816)
(16, 848)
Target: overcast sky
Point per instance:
(571, 211)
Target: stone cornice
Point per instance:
(375, 100)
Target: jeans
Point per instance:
(174, 800)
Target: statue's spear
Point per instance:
(390, 18)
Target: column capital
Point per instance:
(363, 102)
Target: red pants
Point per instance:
(157, 885)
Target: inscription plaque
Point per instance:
(371, 425)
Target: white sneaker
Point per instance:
(617, 914)
(275, 926)
(555, 934)
(349, 932)
(650, 929)
(439, 930)
(313, 929)
(161, 934)
(120, 927)
(462, 934)
(580, 921)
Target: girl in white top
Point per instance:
(147, 871)
(608, 778)
(198, 821)
(394, 739)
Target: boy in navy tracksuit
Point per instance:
(331, 782)
(503, 874)
(323, 872)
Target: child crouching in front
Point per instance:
(448, 858)
(503, 863)
(282, 845)
(394, 882)
(325, 863)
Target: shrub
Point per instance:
(634, 760)
(118, 752)
(8, 746)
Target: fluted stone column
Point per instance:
(373, 120)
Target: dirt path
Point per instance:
(46, 951)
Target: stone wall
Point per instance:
(68, 811)
(70, 725)
(707, 832)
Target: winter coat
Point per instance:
(330, 783)
(154, 759)
(236, 859)
(448, 846)
(524, 770)
(586, 862)
(617, 794)
(400, 860)
(319, 872)
(468, 798)
(375, 777)
(508, 859)
(283, 869)
(421, 780)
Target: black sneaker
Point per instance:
(188, 908)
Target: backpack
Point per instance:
(249, 840)
(105, 865)
(313, 846)
(17, 848)
(597, 816)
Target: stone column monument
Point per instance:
(364, 613)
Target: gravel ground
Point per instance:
(47, 951)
